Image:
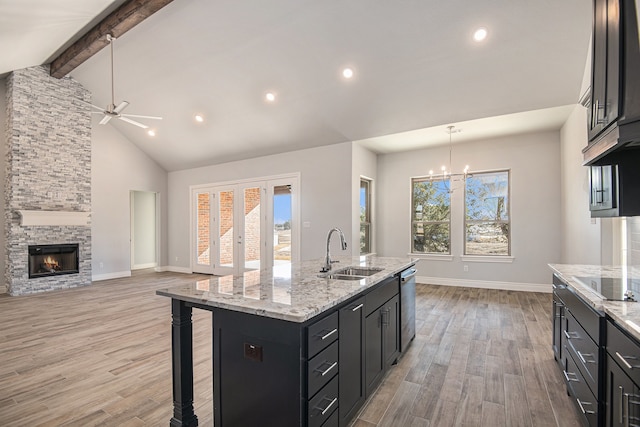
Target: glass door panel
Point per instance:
(225, 237)
(251, 240)
(282, 218)
(203, 262)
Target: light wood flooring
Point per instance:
(100, 356)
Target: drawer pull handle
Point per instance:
(358, 307)
(585, 361)
(324, 411)
(323, 373)
(570, 335)
(584, 411)
(324, 337)
(623, 360)
(566, 375)
(626, 405)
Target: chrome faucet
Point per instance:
(327, 259)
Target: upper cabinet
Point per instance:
(614, 115)
(606, 66)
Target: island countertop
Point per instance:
(292, 292)
(626, 314)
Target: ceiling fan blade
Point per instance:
(105, 119)
(120, 107)
(143, 117)
(133, 122)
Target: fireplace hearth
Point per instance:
(53, 260)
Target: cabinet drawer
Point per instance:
(322, 368)
(321, 334)
(588, 318)
(374, 299)
(624, 350)
(583, 349)
(324, 404)
(582, 396)
(333, 421)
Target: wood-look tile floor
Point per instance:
(100, 356)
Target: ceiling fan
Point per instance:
(113, 111)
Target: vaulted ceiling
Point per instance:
(415, 66)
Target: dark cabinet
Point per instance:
(615, 187)
(351, 355)
(623, 397)
(603, 182)
(623, 393)
(382, 342)
(578, 345)
(606, 66)
(558, 320)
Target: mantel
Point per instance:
(44, 218)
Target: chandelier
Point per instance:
(447, 174)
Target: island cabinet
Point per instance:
(382, 337)
(579, 348)
(351, 354)
(623, 378)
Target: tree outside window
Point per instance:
(487, 218)
(430, 216)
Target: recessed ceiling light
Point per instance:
(199, 118)
(151, 132)
(480, 34)
(270, 96)
(347, 73)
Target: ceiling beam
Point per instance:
(121, 20)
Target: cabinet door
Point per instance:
(623, 397)
(558, 314)
(390, 327)
(374, 360)
(351, 350)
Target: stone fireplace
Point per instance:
(47, 181)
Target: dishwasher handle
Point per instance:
(408, 274)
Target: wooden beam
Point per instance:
(121, 20)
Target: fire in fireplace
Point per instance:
(53, 260)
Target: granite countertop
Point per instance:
(626, 314)
(291, 292)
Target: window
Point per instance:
(365, 216)
(487, 218)
(431, 216)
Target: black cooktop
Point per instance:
(614, 289)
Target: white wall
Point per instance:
(143, 222)
(325, 201)
(3, 151)
(118, 167)
(534, 161)
(580, 234)
(364, 163)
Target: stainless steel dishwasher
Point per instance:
(407, 307)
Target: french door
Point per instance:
(243, 226)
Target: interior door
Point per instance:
(229, 229)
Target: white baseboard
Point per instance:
(107, 276)
(144, 266)
(486, 284)
(185, 270)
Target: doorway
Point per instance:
(144, 229)
(244, 226)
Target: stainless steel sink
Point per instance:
(358, 271)
(352, 273)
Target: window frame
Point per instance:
(412, 251)
(367, 223)
(467, 222)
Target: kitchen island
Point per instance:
(291, 347)
(596, 340)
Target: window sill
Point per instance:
(488, 259)
(432, 257)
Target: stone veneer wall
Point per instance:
(48, 167)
